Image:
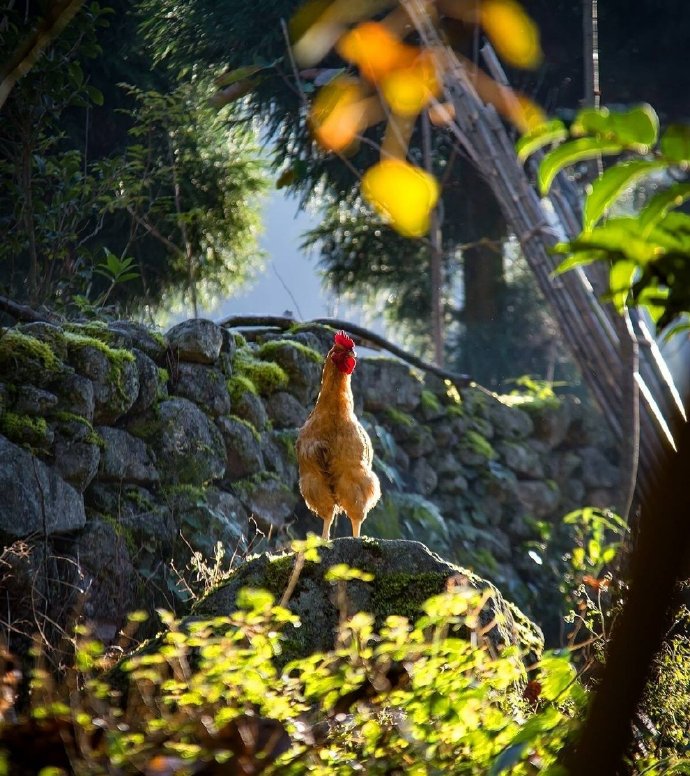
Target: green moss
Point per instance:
(287, 440)
(267, 376)
(24, 429)
(191, 491)
(247, 424)
(240, 340)
(18, 350)
(403, 594)
(93, 329)
(430, 401)
(159, 339)
(238, 385)
(278, 573)
(269, 349)
(117, 357)
(400, 418)
(122, 531)
(480, 445)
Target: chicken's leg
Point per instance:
(327, 528)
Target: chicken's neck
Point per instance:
(336, 390)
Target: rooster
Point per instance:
(334, 451)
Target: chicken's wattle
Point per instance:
(345, 362)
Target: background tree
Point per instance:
(149, 173)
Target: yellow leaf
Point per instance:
(402, 194)
(375, 50)
(525, 114)
(408, 89)
(338, 114)
(514, 35)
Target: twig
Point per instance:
(24, 313)
(367, 338)
(30, 49)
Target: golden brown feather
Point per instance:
(334, 452)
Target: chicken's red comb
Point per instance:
(344, 341)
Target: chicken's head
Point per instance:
(343, 353)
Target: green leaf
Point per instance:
(620, 281)
(557, 674)
(571, 153)
(578, 259)
(95, 95)
(606, 189)
(548, 133)
(659, 205)
(675, 144)
(636, 128)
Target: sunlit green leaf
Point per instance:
(635, 128)
(661, 204)
(571, 153)
(621, 278)
(579, 259)
(606, 189)
(675, 143)
(548, 133)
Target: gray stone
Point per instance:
(384, 382)
(425, 476)
(509, 422)
(34, 401)
(149, 382)
(285, 411)
(76, 395)
(76, 458)
(406, 573)
(147, 524)
(205, 386)
(552, 420)
(115, 379)
(268, 500)
(35, 499)
(204, 520)
(125, 458)
(242, 447)
(108, 578)
(597, 471)
(521, 458)
(540, 499)
(250, 407)
(303, 372)
(419, 441)
(453, 484)
(279, 455)
(153, 344)
(187, 445)
(197, 340)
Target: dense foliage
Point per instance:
(647, 254)
(94, 172)
(430, 697)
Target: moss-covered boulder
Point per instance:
(406, 573)
(197, 340)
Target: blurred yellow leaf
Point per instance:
(375, 50)
(408, 89)
(514, 35)
(402, 194)
(526, 114)
(338, 114)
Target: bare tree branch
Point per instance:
(29, 50)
